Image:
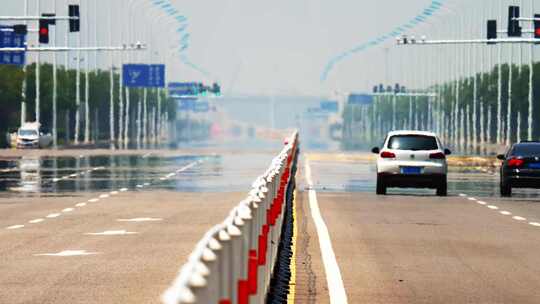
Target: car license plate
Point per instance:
(411, 170)
(534, 166)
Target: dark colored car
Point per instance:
(520, 167)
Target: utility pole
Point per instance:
(531, 73)
(38, 82)
(87, 78)
(55, 87)
(78, 90)
(111, 101)
(24, 83)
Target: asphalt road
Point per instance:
(110, 228)
(411, 246)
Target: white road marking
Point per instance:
(15, 227)
(68, 210)
(170, 175)
(112, 232)
(80, 205)
(139, 186)
(334, 280)
(519, 218)
(146, 184)
(73, 175)
(505, 213)
(114, 192)
(123, 189)
(162, 178)
(471, 199)
(493, 207)
(53, 215)
(141, 219)
(104, 196)
(39, 220)
(67, 253)
(55, 179)
(93, 200)
(463, 195)
(534, 224)
(481, 202)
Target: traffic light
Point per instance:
(20, 29)
(381, 88)
(216, 89)
(491, 30)
(514, 30)
(375, 89)
(397, 88)
(43, 31)
(74, 21)
(536, 26)
(51, 21)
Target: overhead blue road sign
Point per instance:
(144, 75)
(8, 39)
(360, 99)
(180, 89)
(330, 106)
(187, 104)
(202, 107)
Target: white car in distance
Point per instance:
(412, 159)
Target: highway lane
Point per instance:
(414, 247)
(117, 229)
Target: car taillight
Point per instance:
(438, 155)
(386, 154)
(515, 162)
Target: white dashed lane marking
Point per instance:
(112, 232)
(15, 227)
(103, 196)
(504, 212)
(140, 219)
(67, 253)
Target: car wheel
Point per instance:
(506, 188)
(442, 188)
(381, 187)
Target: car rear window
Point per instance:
(412, 142)
(526, 150)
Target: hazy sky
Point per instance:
(272, 47)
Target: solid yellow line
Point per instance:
(292, 283)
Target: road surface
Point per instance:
(411, 246)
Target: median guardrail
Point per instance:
(233, 262)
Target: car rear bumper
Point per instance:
(519, 181)
(412, 180)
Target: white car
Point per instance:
(412, 159)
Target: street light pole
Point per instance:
(55, 88)
(38, 82)
(87, 79)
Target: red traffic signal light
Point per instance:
(536, 26)
(43, 31)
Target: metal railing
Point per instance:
(234, 260)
